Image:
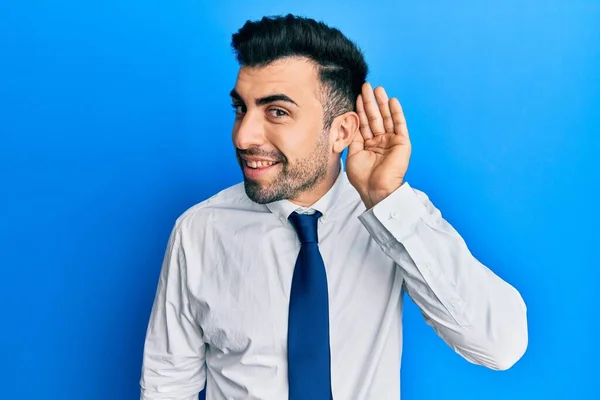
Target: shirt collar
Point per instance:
(283, 208)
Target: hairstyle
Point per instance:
(340, 63)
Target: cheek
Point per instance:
(295, 142)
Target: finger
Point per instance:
(365, 129)
(400, 127)
(384, 108)
(372, 110)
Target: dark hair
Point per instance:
(341, 65)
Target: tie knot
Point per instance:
(306, 226)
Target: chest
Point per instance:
(242, 297)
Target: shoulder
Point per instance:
(216, 209)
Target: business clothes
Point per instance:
(220, 314)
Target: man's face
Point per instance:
(278, 131)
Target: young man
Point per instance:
(291, 284)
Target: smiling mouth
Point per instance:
(259, 164)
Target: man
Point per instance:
(291, 284)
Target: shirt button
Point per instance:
(393, 215)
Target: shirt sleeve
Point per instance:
(479, 315)
(173, 365)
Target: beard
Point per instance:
(293, 178)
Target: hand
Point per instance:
(378, 156)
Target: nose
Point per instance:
(248, 132)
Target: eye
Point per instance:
(239, 109)
(278, 113)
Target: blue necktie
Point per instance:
(308, 324)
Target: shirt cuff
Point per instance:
(395, 217)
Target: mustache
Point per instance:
(261, 153)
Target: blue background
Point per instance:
(115, 117)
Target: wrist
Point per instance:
(374, 197)
(367, 202)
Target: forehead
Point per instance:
(295, 77)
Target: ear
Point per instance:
(343, 129)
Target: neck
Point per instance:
(311, 196)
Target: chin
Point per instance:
(258, 192)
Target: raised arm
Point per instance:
(478, 314)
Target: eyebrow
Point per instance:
(261, 101)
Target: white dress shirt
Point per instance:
(219, 319)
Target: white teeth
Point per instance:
(259, 164)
